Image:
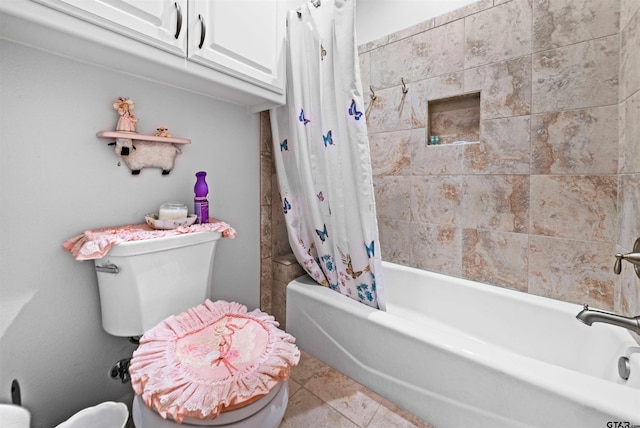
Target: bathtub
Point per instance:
(458, 353)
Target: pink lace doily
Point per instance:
(211, 358)
(95, 244)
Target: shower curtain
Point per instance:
(321, 153)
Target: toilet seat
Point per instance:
(211, 362)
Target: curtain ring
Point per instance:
(372, 94)
(404, 86)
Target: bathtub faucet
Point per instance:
(589, 316)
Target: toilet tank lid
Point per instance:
(95, 244)
(132, 248)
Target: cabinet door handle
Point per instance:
(203, 31)
(178, 20)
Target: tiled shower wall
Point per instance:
(551, 192)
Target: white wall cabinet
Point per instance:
(156, 22)
(235, 44)
(238, 36)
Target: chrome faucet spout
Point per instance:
(589, 316)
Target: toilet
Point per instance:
(199, 362)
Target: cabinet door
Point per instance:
(160, 23)
(242, 38)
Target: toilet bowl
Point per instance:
(267, 412)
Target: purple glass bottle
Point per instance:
(200, 202)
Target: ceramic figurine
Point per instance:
(128, 120)
(162, 132)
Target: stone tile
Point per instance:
(373, 44)
(444, 86)
(266, 276)
(434, 160)
(575, 207)
(629, 54)
(496, 202)
(389, 415)
(559, 23)
(266, 231)
(307, 410)
(389, 63)
(628, 8)
(627, 292)
(393, 195)
(293, 387)
(279, 302)
(497, 258)
(504, 147)
(436, 52)
(629, 210)
(286, 268)
(266, 163)
(395, 240)
(266, 141)
(308, 367)
(435, 88)
(345, 395)
(391, 153)
(436, 199)
(436, 248)
(572, 271)
(463, 12)
(413, 30)
(365, 74)
(575, 142)
(577, 76)
(505, 87)
(391, 110)
(629, 151)
(485, 32)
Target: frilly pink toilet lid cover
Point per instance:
(212, 358)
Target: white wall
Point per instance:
(377, 18)
(57, 180)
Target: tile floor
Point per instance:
(322, 397)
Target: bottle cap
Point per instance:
(201, 189)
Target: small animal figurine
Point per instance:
(162, 132)
(127, 121)
(146, 154)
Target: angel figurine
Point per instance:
(128, 120)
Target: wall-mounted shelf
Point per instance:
(143, 137)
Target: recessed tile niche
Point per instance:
(455, 119)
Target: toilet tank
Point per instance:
(143, 282)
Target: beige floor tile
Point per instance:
(307, 368)
(389, 415)
(293, 387)
(307, 410)
(345, 395)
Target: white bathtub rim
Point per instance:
(608, 397)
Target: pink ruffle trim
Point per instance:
(161, 373)
(95, 244)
